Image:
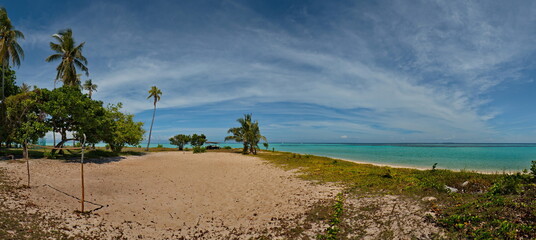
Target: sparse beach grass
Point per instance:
(483, 206)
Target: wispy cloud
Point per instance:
(394, 71)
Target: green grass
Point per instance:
(489, 206)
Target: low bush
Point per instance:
(49, 155)
(227, 147)
(198, 149)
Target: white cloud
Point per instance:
(423, 68)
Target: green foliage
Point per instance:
(10, 88)
(159, 146)
(70, 110)
(50, 155)
(198, 140)
(266, 145)
(248, 133)
(179, 140)
(332, 232)
(70, 57)
(507, 211)
(227, 147)
(25, 121)
(120, 129)
(199, 149)
(533, 170)
(154, 93)
(510, 184)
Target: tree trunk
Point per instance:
(245, 149)
(4, 116)
(25, 156)
(60, 144)
(151, 129)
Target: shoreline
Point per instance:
(406, 166)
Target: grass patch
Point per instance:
(485, 206)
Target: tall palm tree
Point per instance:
(10, 49)
(70, 55)
(154, 93)
(90, 87)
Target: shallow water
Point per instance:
(480, 157)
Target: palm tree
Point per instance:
(254, 137)
(90, 87)
(71, 57)
(9, 47)
(25, 88)
(154, 93)
(248, 133)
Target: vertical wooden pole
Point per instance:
(27, 161)
(82, 172)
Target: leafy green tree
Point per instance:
(248, 133)
(90, 87)
(154, 93)
(121, 129)
(10, 88)
(179, 140)
(69, 110)
(266, 145)
(198, 140)
(25, 118)
(10, 49)
(70, 56)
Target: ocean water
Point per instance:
(455, 156)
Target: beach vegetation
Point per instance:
(487, 206)
(248, 133)
(70, 56)
(121, 129)
(90, 87)
(10, 88)
(198, 149)
(155, 94)
(70, 111)
(25, 119)
(198, 140)
(10, 50)
(179, 140)
(266, 145)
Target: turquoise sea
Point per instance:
(455, 156)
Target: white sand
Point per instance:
(176, 193)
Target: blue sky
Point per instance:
(309, 71)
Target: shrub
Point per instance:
(227, 147)
(508, 184)
(198, 149)
(159, 146)
(50, 155)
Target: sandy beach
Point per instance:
(171, 194)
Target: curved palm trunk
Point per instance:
(3, 102)
(151, 129)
